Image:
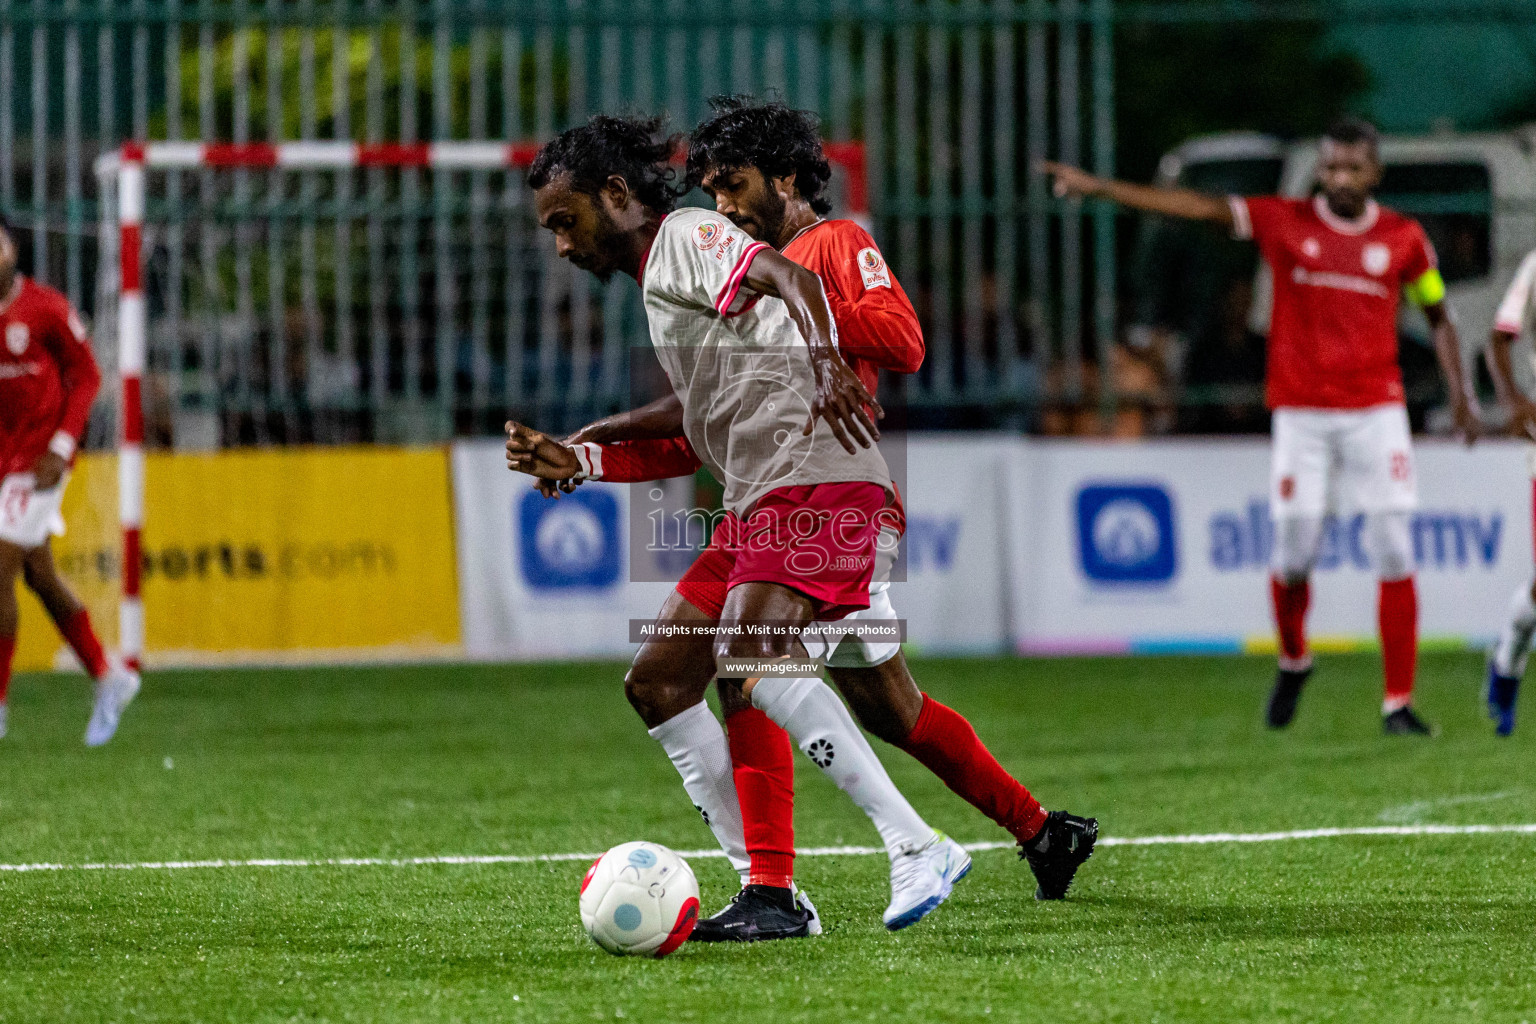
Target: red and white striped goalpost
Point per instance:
(129, 166)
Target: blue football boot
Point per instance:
(1502, 691)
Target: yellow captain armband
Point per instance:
(1428, 289)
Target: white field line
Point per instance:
(813, 851)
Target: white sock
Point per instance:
(696, 743)
(1514, 646)
(821, 727)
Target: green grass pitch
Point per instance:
(427, 760)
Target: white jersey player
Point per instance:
(1507, 664)
(748, 344)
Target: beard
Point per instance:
(769, 217)
(607, 239)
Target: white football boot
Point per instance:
(814, 928)
(113, 692)
(921, 879)
(2, 721)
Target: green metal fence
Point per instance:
(952, 101)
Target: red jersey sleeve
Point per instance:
(630, 462)
(1420, 258)
(1257, 217)
(69, 344)
(875, 319)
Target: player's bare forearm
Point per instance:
(1448, 353)
(657, 420)
(1522, 412)
(841, 397)
(1170, 202)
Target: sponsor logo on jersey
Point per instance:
(16, 338)
(707, 234)
(872, 268)
(1311, 249)
(1376, 258)
(1343, 282)
(1125, 533)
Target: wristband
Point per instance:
(63, 445)
(589, 455)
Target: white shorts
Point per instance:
(1341, 461)
(28, 517)
(850, 649)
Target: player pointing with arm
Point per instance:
(48, 380)
(1339, 263)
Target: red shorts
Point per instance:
(818, 539)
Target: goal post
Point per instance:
(124, 176)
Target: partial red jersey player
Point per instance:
(763, 165)
(48, 380)
(1340, 262)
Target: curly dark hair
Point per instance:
(636, 148)
(768, 135)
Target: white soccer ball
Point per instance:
(639, 899)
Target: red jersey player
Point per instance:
(764, 167)
(48, 379)
(1340, 437)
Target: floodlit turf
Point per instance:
(538, 759)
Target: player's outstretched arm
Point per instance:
(841, 397)
(1170, 202)
(660, 419)
(1448, 352)
(1522, 411)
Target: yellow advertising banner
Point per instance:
(278, 554)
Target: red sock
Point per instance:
(763, 763)
(1291, 601)
(7, 651)
(947, 746)
(1398, 617)
(82, 638)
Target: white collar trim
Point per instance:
(1358, 226)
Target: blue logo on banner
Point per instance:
(1125, 533)
(569, 544)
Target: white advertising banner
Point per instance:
(542, 578)
(1036, 546)
(955, 595)
(1157, 546)
(549, 579)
